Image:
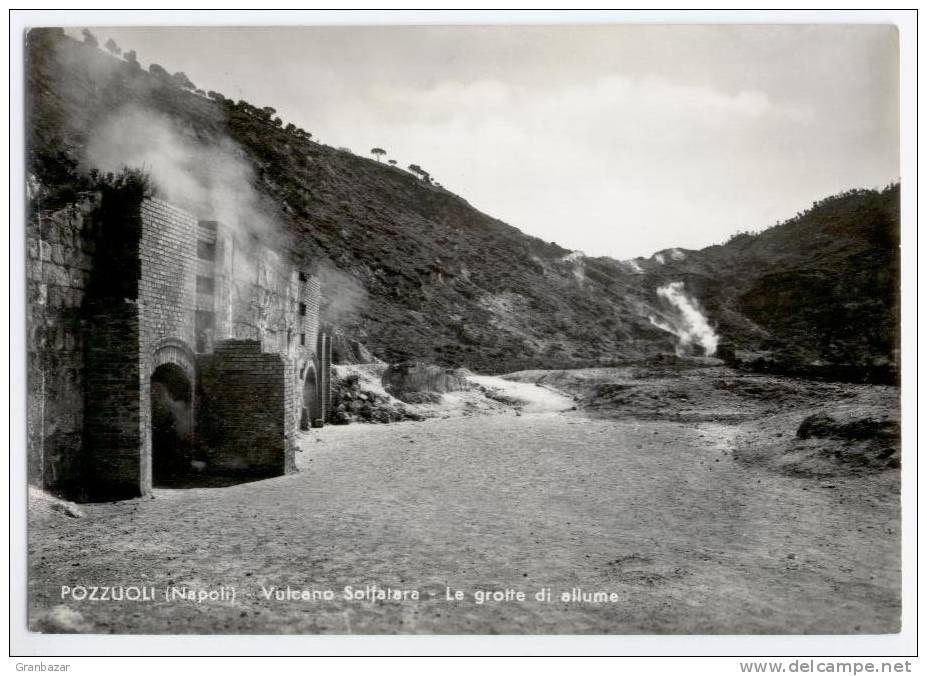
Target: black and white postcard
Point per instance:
(466, 328)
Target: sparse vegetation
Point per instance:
(90, 39)
(181, 80)
(819, 288)
(421, 173)
(159, 72)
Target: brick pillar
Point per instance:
(112, 463)
(224, 280)
(243, 416)
(325, 377)
(113, 426)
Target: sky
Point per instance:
(617, 140)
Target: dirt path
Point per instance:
(657, 513)
(534, 398)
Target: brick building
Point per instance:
(162, 347)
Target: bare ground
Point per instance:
(658, 512)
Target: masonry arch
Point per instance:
(174, 351)
(171, 405)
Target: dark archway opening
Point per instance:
(311, 412)
(171, 424)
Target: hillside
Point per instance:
(412, 271)
(818, 294)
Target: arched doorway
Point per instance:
(311, 409)
(171, 423)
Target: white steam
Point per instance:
(575, 260)
(210, 178)
(343, 296)
(634, 266)
(686, 321)
(179, 410)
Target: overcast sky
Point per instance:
(615, 140)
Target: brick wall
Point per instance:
(325, 376)
(114, 288)
(266, 299)
(292, 392)
(140, 295)
(112, 465)
(214, 284)
(167, 290)
(242, 416)
(167, 300)
(310, 295)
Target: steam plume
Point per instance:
(634, 266)
(343, 296)
(178, 410)
(575, 260)
(686, 322)
(208, 177)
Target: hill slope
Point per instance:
(413, 271)
(820, 292)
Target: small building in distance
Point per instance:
(163, 348)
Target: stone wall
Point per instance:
(59, 251)
(263, 296)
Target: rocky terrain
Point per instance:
(733, 517)
(797, 426)
(377, 393)
(411, 271)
